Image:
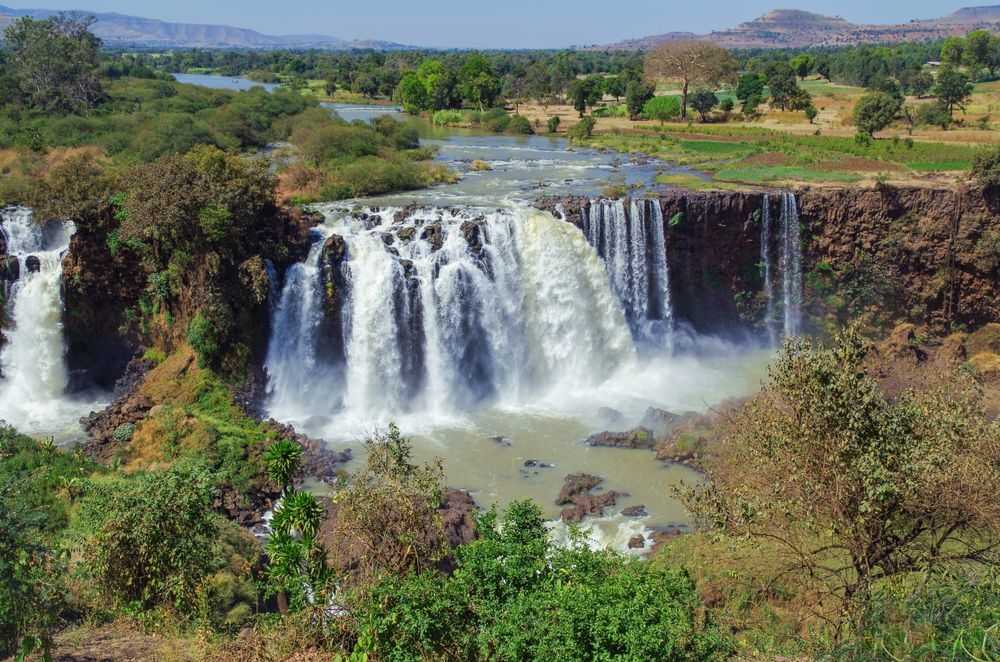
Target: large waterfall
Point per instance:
(632, 244)
(32, 360)
(790, 265)
(440, 309)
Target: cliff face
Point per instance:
(927, 256)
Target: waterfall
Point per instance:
(632, 245)
(33, 372)
(440, 310)
(790, 264)
(765, 259)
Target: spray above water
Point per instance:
(32, 359)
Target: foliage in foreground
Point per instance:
(513, 596)
(855, 488)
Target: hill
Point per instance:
(124, 30)
(793, 28)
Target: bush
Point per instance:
(662, 109)
(875, 111)
(513, 596)
(153, 537)
(553, 124)
(582, 129)
(448, 118)
(933, 114)
(986, 168)
(520, 125)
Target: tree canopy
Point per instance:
(691, 63)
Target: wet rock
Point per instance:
(10, 268)
(538, 464)
(576, 484)
(635, 511)
(434, 235)
(407, 233)
(334, 282)
(502, 441)
(473, 236)
(660, 421)
(636, 542)
(611, 418)
(635, 438)
(32, 264)
(458, 517)
(580, 502)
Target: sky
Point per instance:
(497, 24)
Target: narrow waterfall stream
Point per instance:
(790, 268)
(33, 372)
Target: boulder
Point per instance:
(10, 268)
(32, 264)
(635, 511)
(501, 441)
(637, 542)
(580, 502)
(635, 438)
(660, 421)
(434, 235)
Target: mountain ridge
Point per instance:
(796, 28)
(117, 29)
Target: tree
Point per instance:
(283, 459)
(933, 114)
(477, 82)
(55, 63)
(919, 83)
(297, 565)
(704, 101)
(811, 113)
(782, 83)
(582, 129)
(750, 85)
(553, 124)
(977, 53)
(616, 86)
(953, 89)
(585, 92)
(953, 51)
(854, 487)
(874, 112)
(412, 94)
(439, 83)
(330, 87)
(802, 65)
(690, 62)
(636, 95)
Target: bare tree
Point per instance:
(691, 62)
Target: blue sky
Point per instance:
(500, 23)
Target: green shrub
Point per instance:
(153, 537)
(986, 168)
(582, 129)
(448, 118)
(662, 109)
(513, 596)
(553, 124)
(520, 125)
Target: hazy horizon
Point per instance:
(515, 24)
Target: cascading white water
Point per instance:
(32, 360)
(445, 309)
(790, 264)
(632, 244)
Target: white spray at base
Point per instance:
(32, 359)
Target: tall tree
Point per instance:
(55, 63)
(691, 62)
(953, 89)
(478, 83)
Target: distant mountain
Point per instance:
(793, 28)
(122, 30)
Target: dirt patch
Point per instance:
(857, 164)
(766, 159)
